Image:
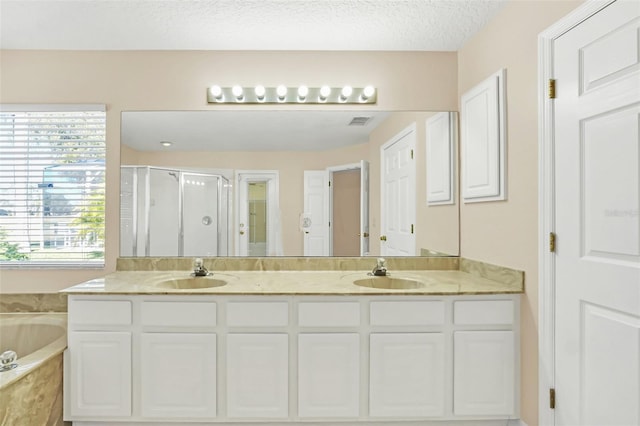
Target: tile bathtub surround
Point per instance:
(288, 263)
(27, 402)
(33, 302)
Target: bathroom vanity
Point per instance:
(292, 347)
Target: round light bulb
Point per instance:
(303, 91)
(260, 92)
(216, 91)
(165, 143)
(325, 91)
(347, 91)
(237, 91)
(368, 92)
(281, 91)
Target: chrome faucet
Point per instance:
(198, 268)
(380, 270)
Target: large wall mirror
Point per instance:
(286, 183)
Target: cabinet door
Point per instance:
(406, 375)
(178, 375)
(483, 373)
(257, 375)
(328, 375)
(100, 374)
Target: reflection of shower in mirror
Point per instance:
(162, 211)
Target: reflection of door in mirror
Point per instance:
(398, 195)
(258, 230)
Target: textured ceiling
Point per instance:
(408, 25)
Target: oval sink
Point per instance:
(389, 283)
(192, 283)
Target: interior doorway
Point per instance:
(258, 233)
(345, 213)
(335, 220)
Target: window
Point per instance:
(52, 184)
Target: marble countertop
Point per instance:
(431, 282)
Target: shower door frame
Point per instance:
(147, 207)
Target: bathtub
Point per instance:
(31, 394)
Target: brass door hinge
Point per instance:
(412, 154)
(552, 88)
(329, 183)
(552, 242)
(552, 398)
(412, 228)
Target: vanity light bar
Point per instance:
(292, 95)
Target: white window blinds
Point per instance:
(52, 182)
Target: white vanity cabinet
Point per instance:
(257, 354)
(99, 373)
(328, 359)
(485, 359)
(407, 369)
(100, 367)
(177, 359)
(177, 375)
(407, 372)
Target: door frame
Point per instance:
(244, 177)
(546, 203)
(411, 128)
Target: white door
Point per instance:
(597, 186)
(328, 375)
(398, 195)
(178, 375)
(407, 373)
(364, 208)
(257, 375)
(100, 365)
(315, 219)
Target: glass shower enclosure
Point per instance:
(172, 212)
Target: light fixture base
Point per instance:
(357, 96)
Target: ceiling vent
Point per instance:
(359, 121)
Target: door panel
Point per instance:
(178, 375)
(100, 374)
(316, 213)
(328, 375)
(407, 373)
(484, 371)
(257, 375)
(398, 204)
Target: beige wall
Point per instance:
(506, 232)
(161, 80)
